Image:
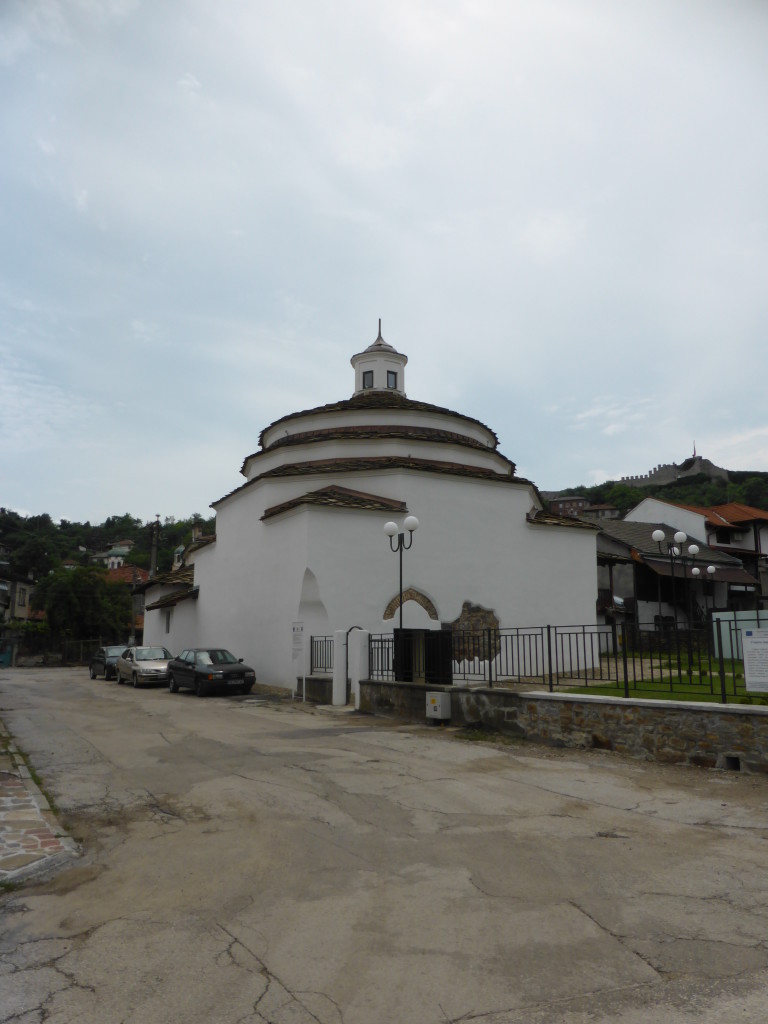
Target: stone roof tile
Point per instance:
(376, 464)
(543, 517)
(638, 536)
(377, 400)
(375, 432)
(339, 497)
(183, 577)
(171, 600)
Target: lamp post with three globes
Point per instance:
(398, 543)
(675, 552)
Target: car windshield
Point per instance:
(152, 654)
(113, 652)
(216, 656)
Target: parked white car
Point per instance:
(142, 666)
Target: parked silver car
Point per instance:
(143, 665)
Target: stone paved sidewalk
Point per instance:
(31, 839)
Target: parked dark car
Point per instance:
(204, 669)
(140, 665)
(103, 661)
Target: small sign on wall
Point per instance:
(297, 635)
(754, 646)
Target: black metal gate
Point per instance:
(423, 655)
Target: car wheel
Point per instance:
(135, 680)
(173, 686)
(118, 678)
(246, 688)
(91, 672)
(200, 688)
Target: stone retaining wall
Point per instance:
(319, 689)
(732, 736)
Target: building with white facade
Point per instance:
(301, 539)
(733, 529)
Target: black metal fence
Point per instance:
(60, 652)
(381, 656)
(642, 660)
(321, 655)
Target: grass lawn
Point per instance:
(679, 693)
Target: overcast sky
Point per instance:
(557, 207)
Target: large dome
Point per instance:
(379, 427)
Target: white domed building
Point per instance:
(302, 540)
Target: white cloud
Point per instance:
(34, 412)
(743, 450)
(550, 235)
(558, 209)
(145, 333)
(190, 85)
(14, 41)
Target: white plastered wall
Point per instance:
(651, 510)
(333, 568)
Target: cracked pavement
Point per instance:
(269, 863)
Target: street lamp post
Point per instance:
(711, 570)
(675, 552)
(392, 530)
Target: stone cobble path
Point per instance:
(30, 836)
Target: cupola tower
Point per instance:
(378, 368)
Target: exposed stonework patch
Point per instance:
(470, 633)
(411, 595)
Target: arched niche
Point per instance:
(311, 606)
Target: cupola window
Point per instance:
(367, 379)
(391, 378)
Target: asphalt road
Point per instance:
(248, 862)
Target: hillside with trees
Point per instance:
(37, 545)
(749, 488)
(76, 603)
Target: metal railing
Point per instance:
(704, 660)
(321, 655)
(381, 656)
(64, 652)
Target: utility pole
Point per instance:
(155, 540)
(132, 637)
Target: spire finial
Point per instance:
(379, 337)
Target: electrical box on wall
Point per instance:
(439, 706)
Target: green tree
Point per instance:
(82, 604)
(30, 556)
(717, 493)
(755, 492)
(623, 496)
(37, 545)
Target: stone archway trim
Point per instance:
(411, 595)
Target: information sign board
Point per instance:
(754, 646)
(297, 634)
